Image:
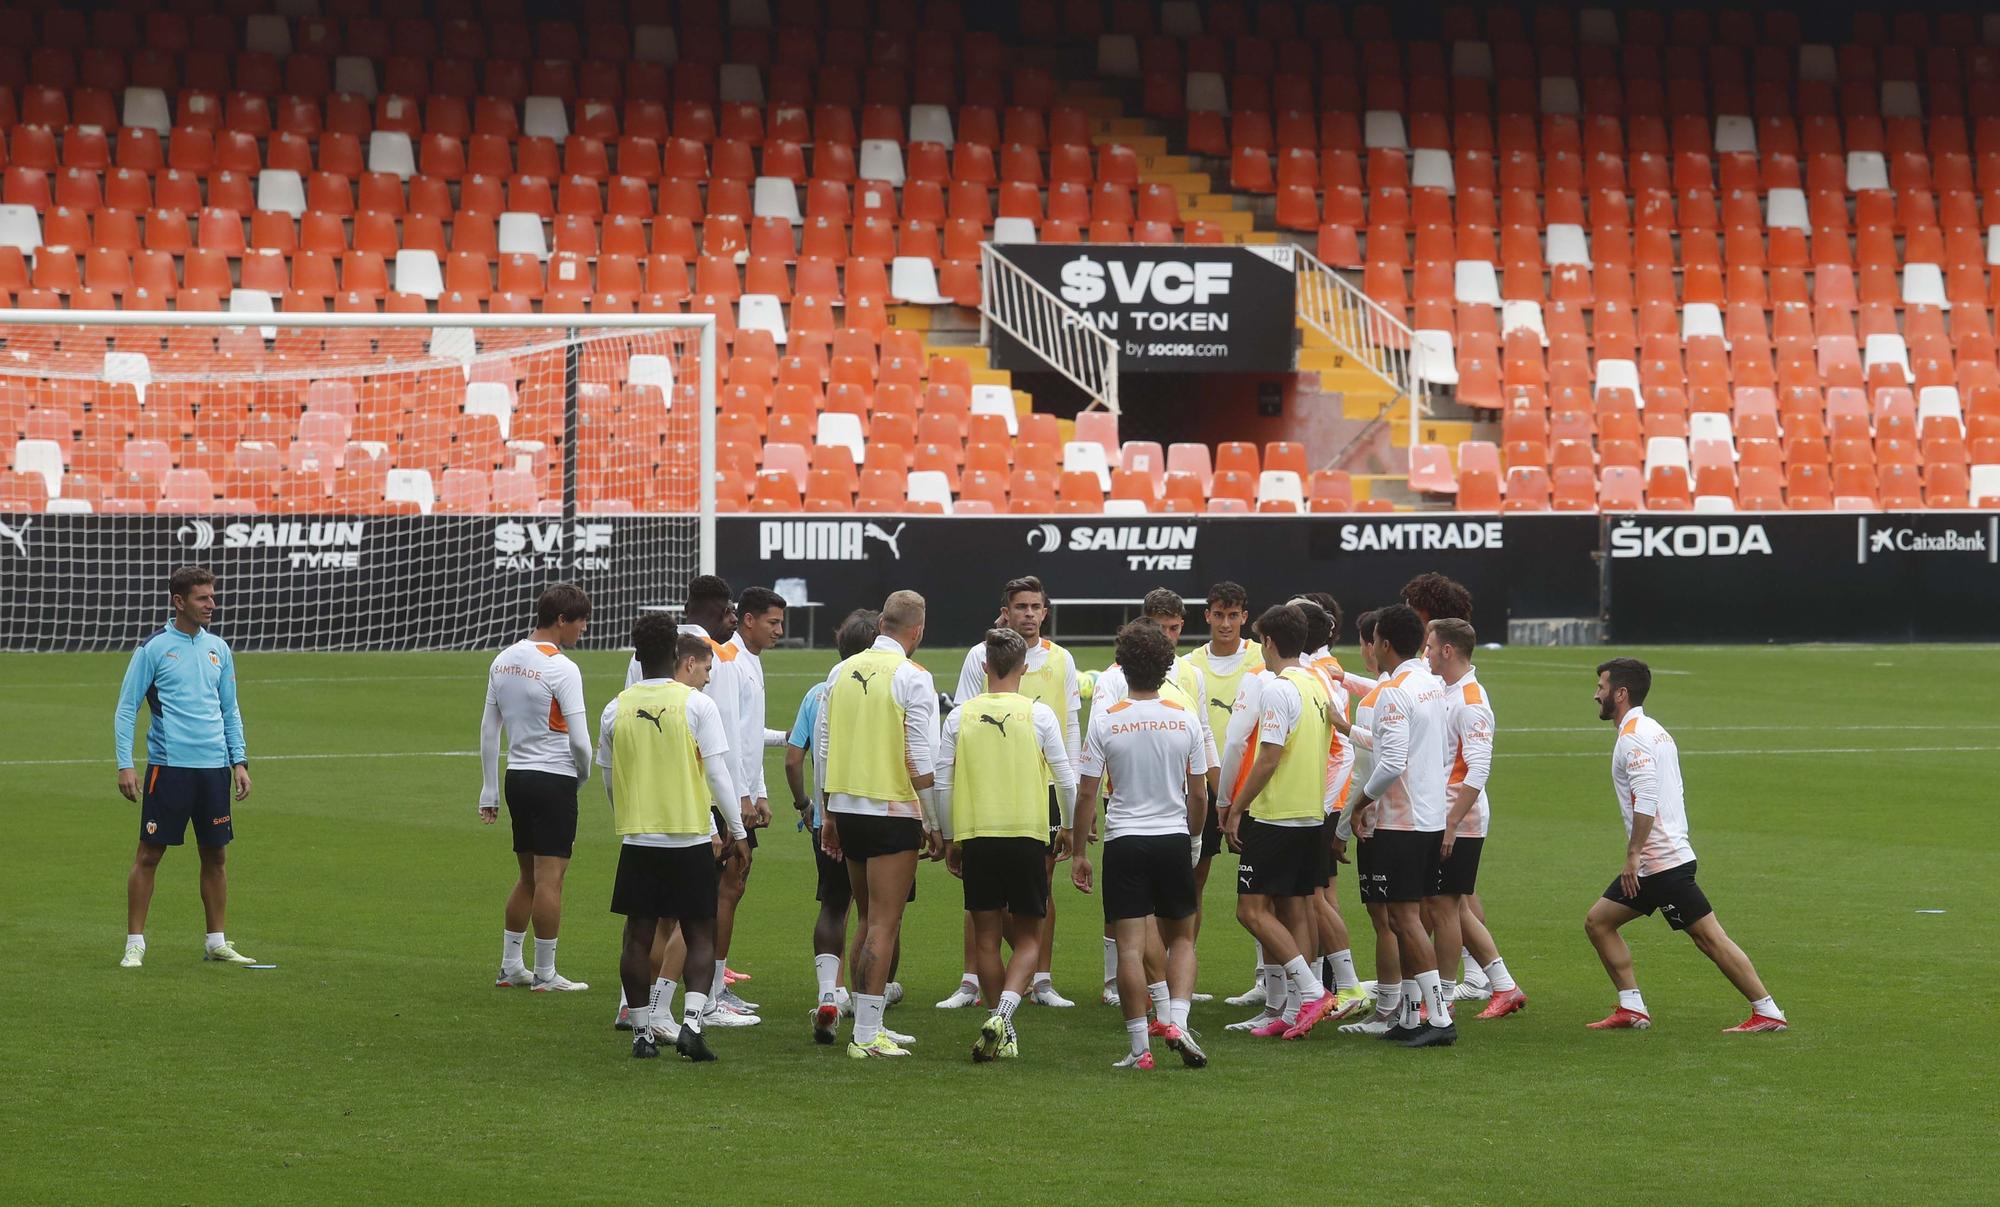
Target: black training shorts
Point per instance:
(1673, 892)
(863, 836)
(1279, 861)
(666, 882)
(1007, 873)
(1148, 875)
(1402, 865)
(542, 806)
(176, 796)
(1458, 873)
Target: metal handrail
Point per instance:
(1047, 326)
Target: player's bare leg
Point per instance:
(1441, 917)
(214, 886)
(1043, 991)
(521, 898)
(139, 886)
(1602, 925)
(883, 883)
(1712, 941)
(1263, 916)
(549, 871)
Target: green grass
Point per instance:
(1835, 792)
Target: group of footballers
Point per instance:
(1258, 739)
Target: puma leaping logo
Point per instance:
(999, 723)
(887, 538)
(654, 717)
(17, 535)
(1215, 703)
(862, 679)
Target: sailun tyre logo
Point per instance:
(196, 534)
(1045, 538)
(1144, 546)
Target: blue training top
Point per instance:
(189, 685)
(802, 736)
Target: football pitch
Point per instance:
(1841, 800)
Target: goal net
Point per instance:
(355, 482)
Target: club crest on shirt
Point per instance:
(214, 659)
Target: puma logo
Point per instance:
(862, 679)
(999, 723)
(875, 531)
(1215, 703)
(654, 717)
(17, 535)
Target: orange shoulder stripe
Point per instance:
(1625, 730)
(548, 649)
(1473, 695)
(1167, 702)
(1119, 707)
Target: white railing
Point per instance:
(1375, 339)
(1013, 301)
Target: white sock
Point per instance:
(662, 999)
(1389, 998)
(215, 939)
(719, 985)
(1274, 986)
(1041, 979)
(545, 958)
(1433, 990)
(139, 939)
(1010, 1001)
(867, 1017)
(1629, 999)
(1343, 970)
(1158, 992)
(1289, 1011)
(697, 1005)
(827, 970)
(969, 980)
(1472, 970)
(1135, 1034)
(642, 1019)
(1110, 961)
(1413, 1001)
(510, 949)
(1499, 977)
(1177, 1008)
(1768, 1008)
(1447, 989)
(1260, 953)
(1302, 977)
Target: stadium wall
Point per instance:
(303, 582)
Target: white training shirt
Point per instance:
(1145, 750)
(916, 691)
(1048, 735)
(704, 721)
(1112, 687)
(726, 689)
(972, 682)
(539, 693)
(1407, 781)
(1340, 756)
(1646, 774)
(1468, 746)
(747, 740)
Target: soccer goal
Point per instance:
(356, 481)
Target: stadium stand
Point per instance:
(1681, 260)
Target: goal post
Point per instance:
(357, 481)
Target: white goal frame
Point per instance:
(570, 323)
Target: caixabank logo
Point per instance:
(1883, 536)
(1631, 538)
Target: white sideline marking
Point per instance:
(1606, 726)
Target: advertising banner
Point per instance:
(1175, 307)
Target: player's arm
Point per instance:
(749, 740)
(569, 701)
(605, 725)
(947, 760)
(711, 738)
(971, 676)
(1644, 779)
(125, 721)
(1392, 749)
(1198, 772)
(232, 725)
(1055, 752)
(1261, 769)
(489, 758)
(1471, 734)
(633, 673)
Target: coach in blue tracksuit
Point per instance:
(186, 677)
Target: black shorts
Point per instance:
(1400, 865)
(1329, 830)
(722, 827)
(542, 806)
(175, 796)
(1007, 873)
(1673, 892)
(1055, 818)
(1211, 830)
(863, 836)
(834, 888)
(1148, 875)
(1279, 861)
(1458, 873)
(665, 882)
